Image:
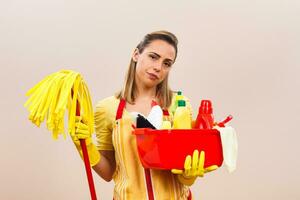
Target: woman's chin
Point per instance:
(151, 83)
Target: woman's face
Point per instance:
(154, 63)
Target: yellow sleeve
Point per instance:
(104, 120)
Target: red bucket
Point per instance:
(167, 149)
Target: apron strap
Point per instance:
(190, 195)
(120, 109)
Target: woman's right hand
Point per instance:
(82, 132)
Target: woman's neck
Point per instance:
(145, 92)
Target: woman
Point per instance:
(115, 156)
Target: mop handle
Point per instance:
(86, 160)
(88, 169)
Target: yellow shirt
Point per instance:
(129, 178)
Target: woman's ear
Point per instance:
(135, 55)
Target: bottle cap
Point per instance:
(205, 107)
(181, 103)
(179, 93)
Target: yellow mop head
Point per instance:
(52, 96)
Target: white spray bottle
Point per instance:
(155, 116)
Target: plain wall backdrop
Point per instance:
(243, 55)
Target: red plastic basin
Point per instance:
(167, 149)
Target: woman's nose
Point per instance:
(158, 66)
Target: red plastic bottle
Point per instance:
(205, 118)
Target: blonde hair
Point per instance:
(163, 92)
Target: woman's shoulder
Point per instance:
(108, 104)
(108, 101)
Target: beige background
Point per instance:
(243, 55)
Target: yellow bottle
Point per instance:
(178, 97)
(166, 125)
(182, 116)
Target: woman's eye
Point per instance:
(152, 57)
(168, 64)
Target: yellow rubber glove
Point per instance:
(82, 132)
(193, 167)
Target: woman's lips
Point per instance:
(152, 76)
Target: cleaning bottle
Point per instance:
(166, 125)
(178, 97)
(155, 116)
(182, 116)
(205, 118)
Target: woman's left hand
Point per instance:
(194, 166)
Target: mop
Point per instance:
(51, 97)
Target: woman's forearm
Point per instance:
(105, 168)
